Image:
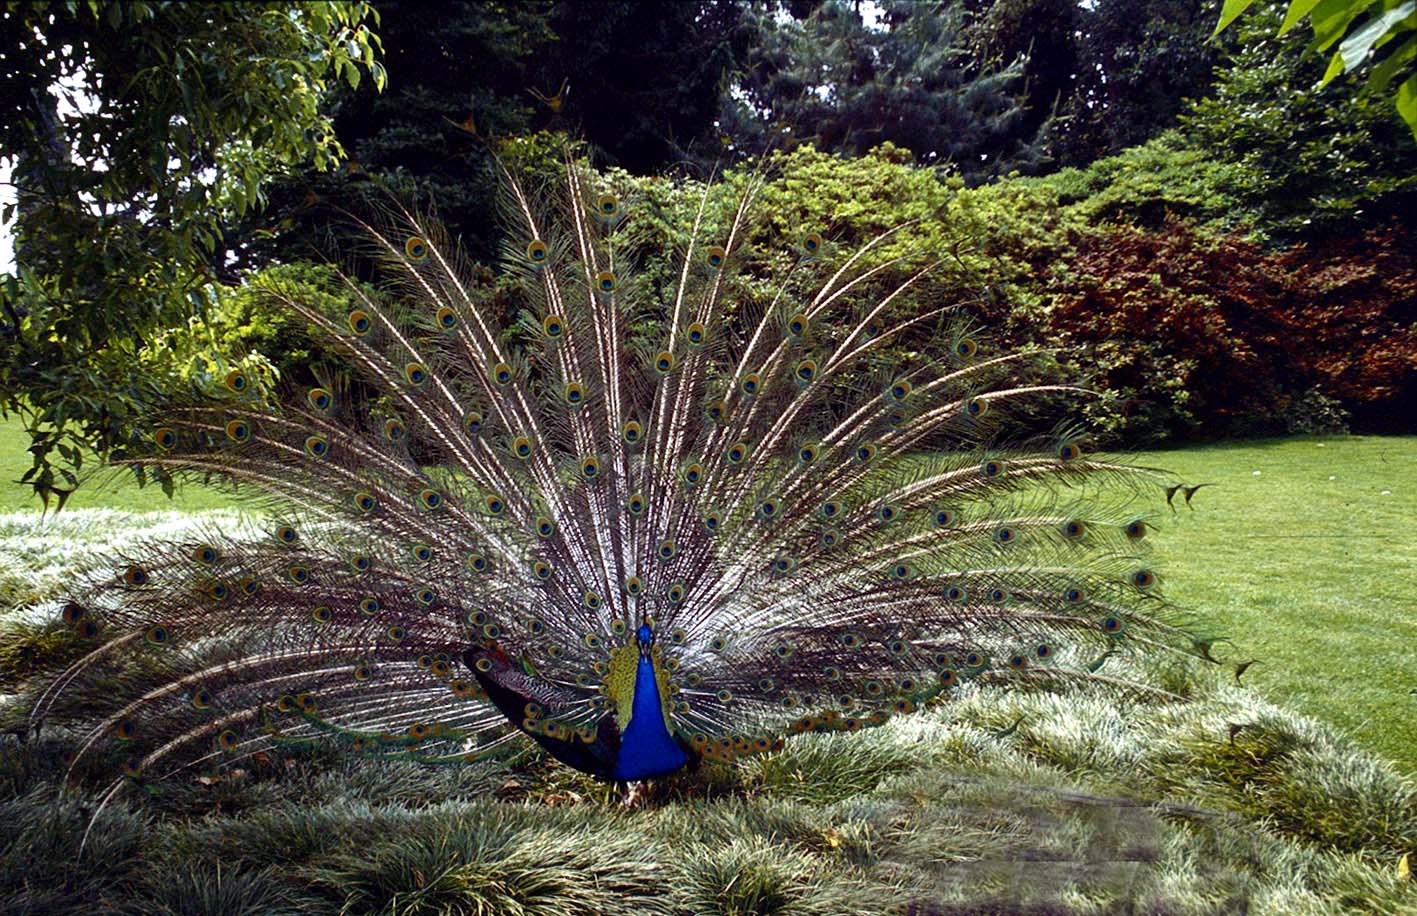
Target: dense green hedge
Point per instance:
(1153, 271)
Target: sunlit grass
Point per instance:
(998, 802)
(1309, 567)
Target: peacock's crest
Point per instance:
(649, 520)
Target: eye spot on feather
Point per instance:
(797, 325)
(955, 595)
(886, 513)
(545, 527)
(750, 384)
(322, 614)
(424, 596)
(676, 593)
(605, 282)
(298, 574)
(783, 565)
(319, 399)
(502, 374)
(416, 249)
(317, 446)
(590, 468)
(632, 432)
(693, 473)
(724, 696)
(1112, 625)
(865, 452)
(494, 505)
(446, 318)
(369, 606)
(696, 334)
(900, 390)
(1005, 535)
(714, 257)
(591, 600)
(976, 407)
(236, 382)
(541, 570)
(945, 518)
(364, 501)
(396, 633)
(157, 635)
(360, 323)
(811, 244)
(477, 561)
(966, 348)
(806, 371)
(165, 437)
(607, 206)
(850, 640)
(228, 741)
(135, 576)
(1143, 579)
(537, 252)
(238, 431)
(521, 447)
(1043, 652)
(573, 394)
(1135, 530)
(218, 591)
(634, 585)
(949, 678)
(363, 672)
(976, 661)
(1074, 595)
(416, 374)
(992, 468)
(472, 423)
(715, 411)
(1069, 451)
(553, 327)
(202, 699)
(361, 563)
(1018, 661)
(430, 499)
(768, 509)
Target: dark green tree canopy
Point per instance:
(832, 79)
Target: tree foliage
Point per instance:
(1313, 160)
(1379, 36)
(845, 86)
(144, 135)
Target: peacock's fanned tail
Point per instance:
(472, 520)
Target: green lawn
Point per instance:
(1308, 567)
(100, 487)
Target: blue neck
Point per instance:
(647, 749)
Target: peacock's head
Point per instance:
(645, 637)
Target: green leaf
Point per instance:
(1335, 67)
(1228, 14)
(1331, 18)
(1297, 11)
(1357, 45)
(1384, 72)
(1407, 103)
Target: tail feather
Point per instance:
(820, 498)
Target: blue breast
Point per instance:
(647, 749)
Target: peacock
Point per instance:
(672, 509)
